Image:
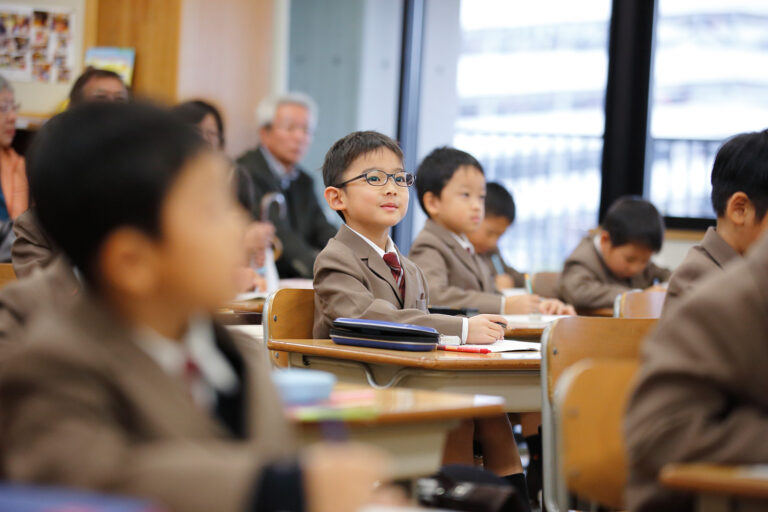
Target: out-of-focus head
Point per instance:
(286, 124)
(206, 118)
(8, 110)
(98, 85)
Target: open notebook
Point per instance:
(509, 346)
(530, 321)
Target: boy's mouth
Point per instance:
(389, 206)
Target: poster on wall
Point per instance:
(117, 59)
(36, 43)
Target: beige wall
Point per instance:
(225, 55)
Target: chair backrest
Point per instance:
(289, 314)
(589, 402)
(570, 340)
(639, 304)
(7, 274)
(545, 284)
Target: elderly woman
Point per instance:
(13, 175)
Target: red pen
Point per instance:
(472, 350)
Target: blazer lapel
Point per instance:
(412, 287)
(464, 256)
(375, 262)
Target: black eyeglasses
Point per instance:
(379, 178)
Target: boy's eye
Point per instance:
(399, 179)
(374, 178)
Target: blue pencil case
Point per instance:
(360, 332)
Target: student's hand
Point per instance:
(341, 477)
(259, 282)
(555, 307)
(258, 236)
(484, 330)
(503, 281)
(244, 277)
(521, 304)
(656, 288)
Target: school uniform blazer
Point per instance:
(709, 256)
(701, 393)
(517, 277)
(32, 247)
(456, 278)
(353, 281)
(586, 282)
(84, 406)
(22, 300)
(305, 231)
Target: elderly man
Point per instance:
(285, 130)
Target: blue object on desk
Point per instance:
(298, 387)
(29, 498)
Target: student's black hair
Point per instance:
(634, 220)
(194, 111)
(76, 93)
(499, 202)
(347, 149)
(101, 166)
(741, 165)
(437, 169)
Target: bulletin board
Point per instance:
(41, 49)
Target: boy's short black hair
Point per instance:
(101, 166)
(634, 220)
(76, 93)
(194, 111)
(741, 165)
(347, 149)
(499, 202)
(437, 169)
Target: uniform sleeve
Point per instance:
(582, 288)
(30, 250)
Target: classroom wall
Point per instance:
(230, 67)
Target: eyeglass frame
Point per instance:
(388, 175)
(7, 108)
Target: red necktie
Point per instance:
(391, 260)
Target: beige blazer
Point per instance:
(456, 278)
(709, 256)
(32, 247)
(22, 300)
(586, 282)
(353, 281)
(701, 393)
(84, 406)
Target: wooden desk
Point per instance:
(512, 375)
(595, 312)
(251, 306)
(720, 488)
(410, 425)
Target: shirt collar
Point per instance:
(596, 241)
(464, 242)
(199, 343)
(390, 244)
(279, 171)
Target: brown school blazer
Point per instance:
(352, 281)
(709, 256)
(84, 406)
(32, 248)
(456, 278)
(21, 300)
(517, 277)
(701, 393)
(586, 281)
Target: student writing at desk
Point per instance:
(740, 200)
(362, 274)
(132, 389)
(617, 259)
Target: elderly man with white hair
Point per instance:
(286, 124)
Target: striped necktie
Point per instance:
(393, 262)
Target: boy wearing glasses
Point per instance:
(360, 273)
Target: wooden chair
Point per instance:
(566, 342)
(590, 400)
(289, 315)
(545, 284)
(7, 274)
(639, 304)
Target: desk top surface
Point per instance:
(434, 360)
(744, 481)
(354, 404)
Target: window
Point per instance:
(709, 82)
(522, 89)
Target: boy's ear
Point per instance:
(605, 239)
(335, 198)
(431, 203)
(128, 262)
(738, 208)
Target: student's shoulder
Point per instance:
(583, 257)
(694, 266)
(431, 236)
(344, 250)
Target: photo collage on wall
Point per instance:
(35, 44)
